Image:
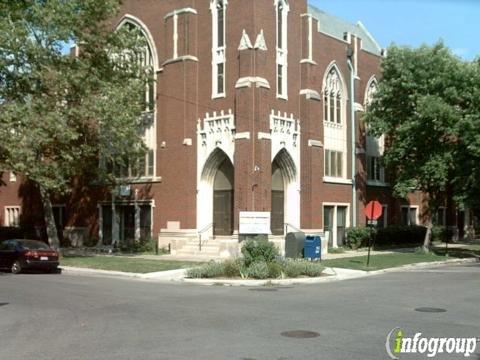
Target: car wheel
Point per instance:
(16, 267)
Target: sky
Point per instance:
(414, 22)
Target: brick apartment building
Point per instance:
(257, 106)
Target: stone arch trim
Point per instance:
(213, 162)
(145, 31)
(287, 165)
(333, 66)
(372, 82)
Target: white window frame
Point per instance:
(12, 216)
(218, 50)
(328, 175)
(417, 215)
(372, 178)
(335, 205)
(282, 49)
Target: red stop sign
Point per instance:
(373, 210)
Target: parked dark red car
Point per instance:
(17, 255)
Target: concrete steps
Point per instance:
(209, 249)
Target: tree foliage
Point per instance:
(60, 113)
(425, 106)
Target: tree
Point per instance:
(60, 115)
(419, 105)
(467, 179)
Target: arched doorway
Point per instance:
(278, 200)
(285, 204)
(215, 195)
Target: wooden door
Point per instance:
(277, 220)
(223, 212)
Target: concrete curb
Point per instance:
(424, 265)
(169, 275)
(331, 274)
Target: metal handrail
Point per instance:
(293, 227)
(201, 231)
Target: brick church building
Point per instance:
(257, 107)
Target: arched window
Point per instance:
(145, 166)
(282, 8)
(374, 145)
(333, 98)
(218, 9)
(371, 90)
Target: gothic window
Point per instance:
(333, 98)
(282, 8)
(375, 145)
(143, 167)
(218, 9)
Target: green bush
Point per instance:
(258, 270)
(255, 250)
(313, 269)
(293, 268)
(209, 270)
(442, 233)
(358, 237)
(143, 245)
(233, 268)
(275, 270)
(400, 236)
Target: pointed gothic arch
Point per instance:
(334, 95)
(285, 200)
(370, 89)
(215, 194)
(128, 18)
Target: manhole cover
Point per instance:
(300, 334)
(430, 310)
(263, 289)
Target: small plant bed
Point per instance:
(260, 261)
(124, 264)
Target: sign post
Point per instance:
(373, 211)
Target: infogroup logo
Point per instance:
(397, 343)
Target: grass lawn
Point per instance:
(378, 262)
(125, 264)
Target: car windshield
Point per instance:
(33, 245)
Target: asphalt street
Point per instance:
(70, 317)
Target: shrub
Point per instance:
(232, 268)
(293, 268)
(144, 245)
(258, 270)
(313, 269)
(255, 250)
(442, 233)
(275, 270)
(395, 236)
(296, 268)
(209, 270)
(358, 237)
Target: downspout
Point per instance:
(353, 138)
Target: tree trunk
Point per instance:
(428, 236)
(49, 219)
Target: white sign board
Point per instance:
(254, 222)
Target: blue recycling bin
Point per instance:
(312, 247)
